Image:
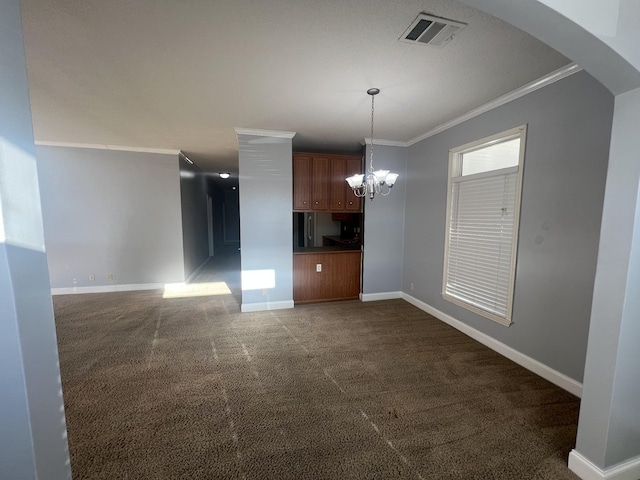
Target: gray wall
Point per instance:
(384, 225)
(195, 237)
(265, 177)
(569, 125)
(113, 212)
(33, 441)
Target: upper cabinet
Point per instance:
(338, 184)
(301, 182)
(319, 182)
(353, 167)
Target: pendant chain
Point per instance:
(371, 156)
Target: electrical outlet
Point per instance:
(318, 267)
(411, 286)
(264, 291)
(92, 277)
(109, 276)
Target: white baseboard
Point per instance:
(373, 297)
(578, 464)
(107, 288)
(260, 307)
(197, 270)
(546, 372)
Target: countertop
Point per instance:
(336, 240)
(334, 249)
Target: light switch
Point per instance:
(318, 267)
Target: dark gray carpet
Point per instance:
(190, 388)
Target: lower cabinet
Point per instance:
(338, 277)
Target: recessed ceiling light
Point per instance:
(224, 175)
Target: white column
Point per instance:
(609, 427)
(33, 442)
(266, 218)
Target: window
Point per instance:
(483, 210)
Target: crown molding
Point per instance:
(264, 133)
(97, 146)
(552, 77)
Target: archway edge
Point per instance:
(604, 58)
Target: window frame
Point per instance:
(455, 172)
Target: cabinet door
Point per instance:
(344, 275)
(301, 182)
(353, 167)
(338, 279)
(308, 284)
(338, 170)
(320, 183)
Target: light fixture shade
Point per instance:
(224, 175)
(380, 175)
(355, 180)
(391, 179)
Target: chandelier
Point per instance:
(373, 182)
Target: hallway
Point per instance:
(224, 266)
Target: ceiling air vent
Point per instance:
(431, 30)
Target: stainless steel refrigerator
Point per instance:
(304, 229)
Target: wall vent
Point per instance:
(431, 30)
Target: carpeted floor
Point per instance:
(190, 388)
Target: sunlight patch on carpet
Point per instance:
(180, 290)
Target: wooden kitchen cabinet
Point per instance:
(338, 278)
(301, 182)
(337, 184)
(353, 167)
(319, 182)
(310, 183)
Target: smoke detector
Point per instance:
(431, 30)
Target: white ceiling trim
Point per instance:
(264, 133)
(98, 146)
(553, 77)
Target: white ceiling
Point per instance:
(175, 74)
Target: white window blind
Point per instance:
(478, 270)
(483, 211)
